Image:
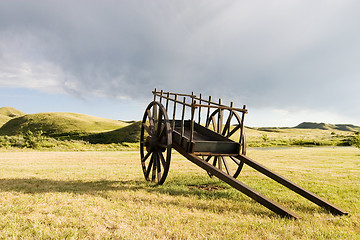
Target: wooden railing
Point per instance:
(195, 103)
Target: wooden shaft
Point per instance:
(236, 183)
(287, 183)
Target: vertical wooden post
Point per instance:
(167, 101)
(182, 122)
(220, 118)
(192, 124)
(199, 119)
(242, 128)
(208, 110)
(174, 113)
(161, 95)
(154, 94)
(230, 116)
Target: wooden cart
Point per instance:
(211, 135)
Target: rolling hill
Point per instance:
(130, 133)
(8, 113)
(57, 124)
(327, 126)
(11, 112)
(74, 126)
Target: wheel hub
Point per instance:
(152, 144)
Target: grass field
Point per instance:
(103, 195)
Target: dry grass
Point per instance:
(102, 195)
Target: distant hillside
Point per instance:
(129, 133)
(53, 124)
(326, 126)
(7, 113)
(11, 112)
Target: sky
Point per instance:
(288, 61)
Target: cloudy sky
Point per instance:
(288, 61)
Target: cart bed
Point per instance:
(205, 141)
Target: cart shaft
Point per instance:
(275, 207)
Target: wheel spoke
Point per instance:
(227, 125)
(233, 131)
(146, 157)
(154, 167)
(214, 123)
(158, 167)
(161, 131)
(147, 129)
(235, 160)
(215, 160)
(149, 167)
(220, 162)
(162, 159)
(208, 158)
(226, 166)
(159, 124)
(220, 119)
(155, 117)
(151, 121)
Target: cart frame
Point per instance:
(207, 144)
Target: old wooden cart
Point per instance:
(202, 135)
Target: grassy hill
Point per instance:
(8, 113)
(89, 129)
(57, 124)
(304, 134)
(326, 126)
(11, 112)
(130, 133)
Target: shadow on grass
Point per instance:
(207, 191)
(35, 185)
(173, 188)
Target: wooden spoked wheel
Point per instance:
(229, 128)
(155, 143)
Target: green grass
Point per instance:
(270, 137)
(103, 195)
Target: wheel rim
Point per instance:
(228, 164)
(155, 143)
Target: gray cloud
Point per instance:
(282, 54)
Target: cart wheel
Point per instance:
(155, 143)
(230, 165)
